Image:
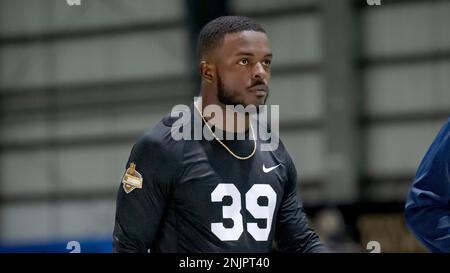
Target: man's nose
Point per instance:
(259, 72)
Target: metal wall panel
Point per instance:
(75, 223)
(264, 5)
(27, 172)
(398, 148)
(307, 151)
(406, 28)
(300, 96)
(55, 15)
(28, 223)
(294, 38)
(111, 58)
(407, 88)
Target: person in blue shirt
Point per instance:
(427, 208)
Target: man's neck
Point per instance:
(228, 119)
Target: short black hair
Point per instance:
(212, 33)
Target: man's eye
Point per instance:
(266, 63)
(243, 62)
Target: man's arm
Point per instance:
(427, 210)
(293, 232)
(139, 212)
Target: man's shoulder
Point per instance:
(447, 127)
(437, 155)
(159, 137)
(443, 141)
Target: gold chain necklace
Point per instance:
(223, 144)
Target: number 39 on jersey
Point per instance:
(233, 211)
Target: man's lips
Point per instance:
(259, 90)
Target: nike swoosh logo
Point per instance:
(266, 170)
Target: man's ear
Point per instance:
(207, 71)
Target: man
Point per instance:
(215, 195)
(427, 209)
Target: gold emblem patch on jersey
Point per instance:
(131, 179)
